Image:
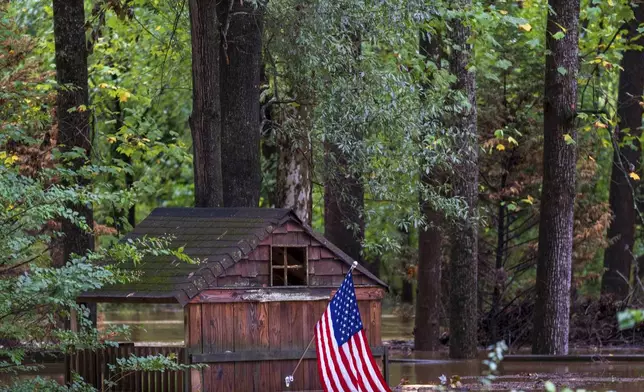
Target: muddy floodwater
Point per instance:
(163, 325)
(596, 376)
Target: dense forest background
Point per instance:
(482, 157)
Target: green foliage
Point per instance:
(47, 385)
(151, 363)
(630, 318)
(357, 65)
(35, 297)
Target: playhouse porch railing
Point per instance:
(92, 366)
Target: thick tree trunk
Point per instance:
(294, 186)
(464, 252)
(205, 121)
(619, 255)
(73, 126)
(344, 223)
(428, 300)
(240, 65)
(430, 240)
(343, 206)
(554, 262)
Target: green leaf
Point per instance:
(504, 64)
(562, 71)
(549, 386)
(558, 35)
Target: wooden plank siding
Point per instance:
(238, 327)
(279, 326)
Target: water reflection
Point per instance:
(149, 323)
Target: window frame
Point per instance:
(285, 267)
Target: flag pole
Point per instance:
(289, 379)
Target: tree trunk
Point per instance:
(428, 298)
(240, 65)
(205, 121)
(430, 240)
(407, 289)
(343, 206)
(344, 222)
(464, 252)
(554, 261)
(501, 232)
(619, 255)
(73, 125)
(294, 186)
(119, 116)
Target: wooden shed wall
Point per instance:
(324, 268)
(261, 326)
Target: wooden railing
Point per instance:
(92, 367)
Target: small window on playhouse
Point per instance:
(289, 266)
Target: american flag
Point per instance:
(345, 362)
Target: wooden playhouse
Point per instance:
(250, 305)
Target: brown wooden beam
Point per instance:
(273, 294)
(265, 355)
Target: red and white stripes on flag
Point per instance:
(345, 361)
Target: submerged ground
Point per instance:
(163, 324)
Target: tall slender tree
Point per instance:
(407, 289)
(619, 255)
(240, 67)
(205, 121)
(464, 251)
(72, 101)
(554, 260)
(430, 237)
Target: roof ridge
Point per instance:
(200, 231)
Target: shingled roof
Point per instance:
(219, 237)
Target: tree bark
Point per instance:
(73, 125)
(240, 66)
(407, 289)
(430, 240)
(294, 176)
(294, 185)
(619, 256)
(554, 261)
(205, 120)
(501, 232)
(428, 298)
(464, 252)
(344, 224)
